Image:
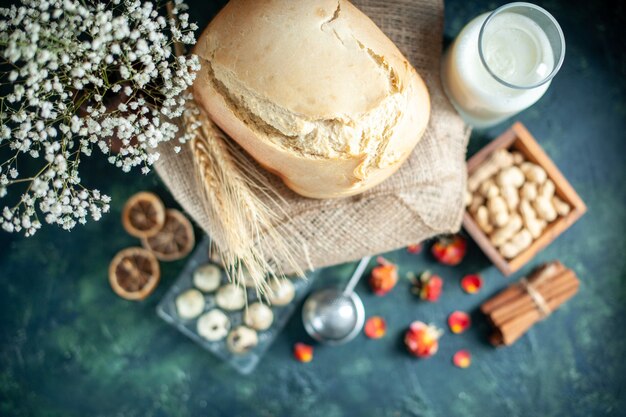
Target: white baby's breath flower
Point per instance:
(111, 74)
(5, 132)
(8, 227)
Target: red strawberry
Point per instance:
(414, 249)
(303, 352)
(375, 327)
(422, 340)
(459, 321)
(428, 286)
(384, 277)
(462, 359)
(471, 283)
(450, 250)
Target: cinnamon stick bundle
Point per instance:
(517, 308)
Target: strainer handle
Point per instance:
(356, 276)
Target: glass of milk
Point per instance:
(502, 62)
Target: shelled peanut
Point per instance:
(512, 200)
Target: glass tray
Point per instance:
(244, 363)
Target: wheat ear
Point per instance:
(242, 225)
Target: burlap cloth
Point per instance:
(423, 199)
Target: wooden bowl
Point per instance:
(519, 139)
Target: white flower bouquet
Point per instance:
(79, 75)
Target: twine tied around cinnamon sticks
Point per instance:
(540, 302)
(517, 308)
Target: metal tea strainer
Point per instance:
(335, 316)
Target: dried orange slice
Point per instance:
(175, 240)
(143, 215)
(134, 273)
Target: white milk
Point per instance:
(516, 49)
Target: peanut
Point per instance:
(517, 244)
(489, 189)
(533, 172)
(511, 196)
(547, 189)
(518, 158)
(543, 203)
(529, 191)
(531, 222)
(510, 177)
(482, 219)
(496, 161)
(498, 212)
(544, 208)
(477, 201)
(561, 207)
(503, 234)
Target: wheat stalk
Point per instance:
(242, 225)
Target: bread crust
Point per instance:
(328, 129)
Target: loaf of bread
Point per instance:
(313, 90)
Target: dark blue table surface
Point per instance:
(70, 347)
